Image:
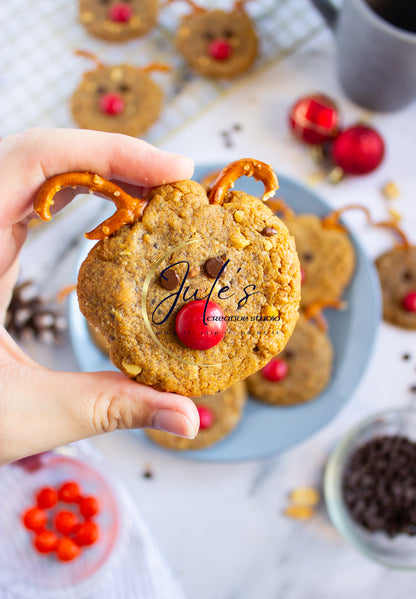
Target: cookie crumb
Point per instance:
(299, 512)
(395, 215)
(307, 496)
(390, 191)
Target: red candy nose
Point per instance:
(276, 370)
(409, 302)
(120, 13)
(219, 49)
(302, 275)
(111, 104)
(191, 329)
(206, 417)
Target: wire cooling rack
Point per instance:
(39, 70)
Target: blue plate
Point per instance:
(265, 430)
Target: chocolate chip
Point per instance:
(213, 267)
(169, 280)
(269, 232)
(406, 357)
(308, 256)
(379, 485)
(413, 389)
(147, 472)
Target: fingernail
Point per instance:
(173, 422)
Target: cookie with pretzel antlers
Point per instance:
(118, 21)
(193, 291)
(298, 374)
(397, 273)
(325, 250)
(117, 99)
(217, 43)
(219, 415)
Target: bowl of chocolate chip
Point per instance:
(370, 487)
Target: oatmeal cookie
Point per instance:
(300, 373)
(116, 21)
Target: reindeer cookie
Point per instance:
(397, 273)
(193, 291)
(216, 43)
(300, 373)
(118, 99)
(117, 21)
(219, 415)
(326, 253)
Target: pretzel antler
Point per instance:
(91, 56)
(129, 209)
(404, 242)
(155, 66)
(192, 4)
(239, 5)
(248, 167)
(314, 311)
(332, 220)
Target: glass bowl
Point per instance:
(395, 552)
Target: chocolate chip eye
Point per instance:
(169, 280)
(307, 256)
(104, 1)
(228, 33)
(289, 355)
(209, 36)
(101, 89)
(407, 275)
(213, 266)
(123, 87)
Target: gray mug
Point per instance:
(376, 50)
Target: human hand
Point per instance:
(41, 409)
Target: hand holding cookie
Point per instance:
(42, 409)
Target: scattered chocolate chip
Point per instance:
(308, 256)
(379, 485)
(169, 280)
(147, 472)
(237, 127)
(413, 389)
(406, 357)
(269, 232)
(213, 266)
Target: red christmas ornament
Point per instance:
(276, 370)
(358, 150)
(314, 119)
(192, 330)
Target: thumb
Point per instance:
(42, 409)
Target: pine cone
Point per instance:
(30, 316)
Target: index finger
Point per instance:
(28, 159)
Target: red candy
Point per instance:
(409, 302)
(88, 507)
(276, 370)
(46, 541)
(192, 331)
(206, 417)
(68, 534)
(34, 519)
(358, 150)
(219, 49)
(302, 275)
(70, 492)
(67, 549)
(46, 497)
(314, 119)
(65, 522)
(120, 13)
(112, 104)
(86, 534)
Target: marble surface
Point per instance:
(221, 527)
